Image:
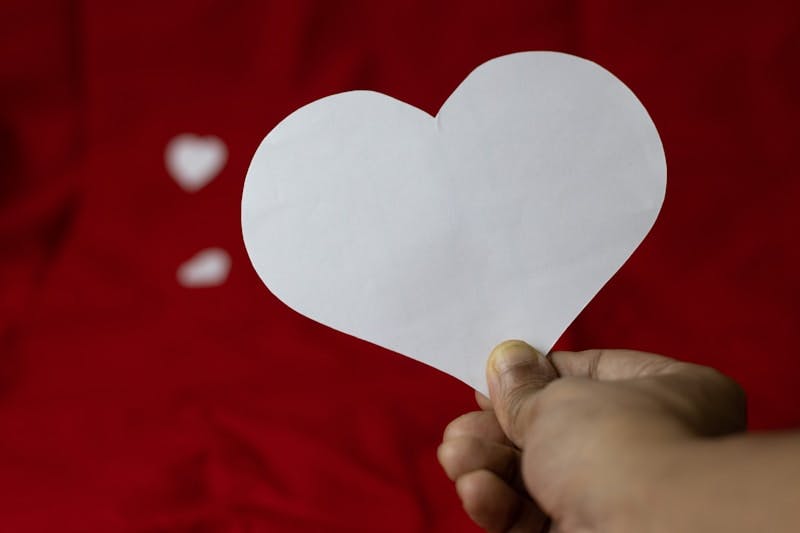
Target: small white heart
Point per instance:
(194, 161)
(207, 268)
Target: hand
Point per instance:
(582, 441)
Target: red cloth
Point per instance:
(130, 403)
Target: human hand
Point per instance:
(583, 438)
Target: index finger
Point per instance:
(608, 365)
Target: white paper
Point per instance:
(207, 268)
(439, 237)
(194, 161)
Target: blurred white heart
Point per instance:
(194, 161)
(207, 268)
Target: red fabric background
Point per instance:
(130, 403)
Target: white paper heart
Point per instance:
(207, 268)
(194, 161)
(438, 237)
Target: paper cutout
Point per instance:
(439, 237)
(194, 161)
(207, 268)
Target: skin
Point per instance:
(617, 440)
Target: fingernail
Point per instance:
(515, 363)
(512, 354)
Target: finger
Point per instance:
(483, 402)
(515, 372)
(609, 365)
(462, 455)
(495, 506)
(477, 424)
(710, 402)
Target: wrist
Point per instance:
(740, 482)
(659, 474)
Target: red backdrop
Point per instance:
(131, 403)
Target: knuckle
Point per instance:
(726, 386)
(459, 426)
(736, 398)
(455, 455)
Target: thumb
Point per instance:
(515, 372)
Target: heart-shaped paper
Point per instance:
(194, 161)
(207, 268)
(438, 237)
